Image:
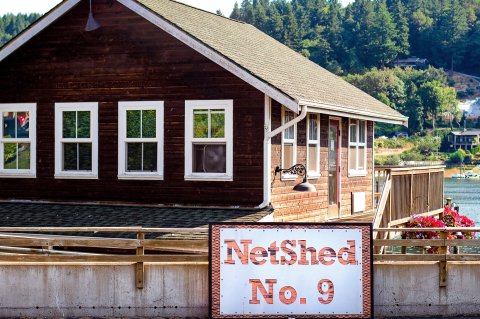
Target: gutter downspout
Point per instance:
(267, 142)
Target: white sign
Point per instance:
(291, 272)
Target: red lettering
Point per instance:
(258, 252)
(257, 285)
(324, 253)
(350, 251)
(303, 254)
(289, 252)
(233, 246)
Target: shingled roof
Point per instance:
(260, 60)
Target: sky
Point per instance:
(42, 6)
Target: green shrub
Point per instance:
(458, 157)
(411, 155)
(387, 160)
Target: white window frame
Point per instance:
(91, 107)
(190, 107)
(315, 172)
(287, 176)
(32, 140)
(357, 144)
(123, 107)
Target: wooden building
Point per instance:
(465, 140)
(171, 105)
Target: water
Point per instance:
(465, 194)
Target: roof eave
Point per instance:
(336, 110)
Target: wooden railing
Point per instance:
(441, 247)
(402, 192)
(28, 244)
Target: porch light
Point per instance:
(92, 24)
(298, 169)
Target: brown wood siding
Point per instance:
(312, 206)
(129, 59)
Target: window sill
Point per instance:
(288, 177)
(207, 178)
(314, 176)
(10, 175)
(72, 176)
(141, 177)
(357, 174)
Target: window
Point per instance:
(313, 148)
(17, 140)
(289, 143)
(76, 140)
(357, 145)
(140, 140)
(209, 140)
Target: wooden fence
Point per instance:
(27, 244)
(402, 192)
(439, 248)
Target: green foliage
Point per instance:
(390, 143)
(387, 160)
(371, 33)
(11, 25)
(457, 157)
(412, 155)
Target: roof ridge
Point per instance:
(209, 12)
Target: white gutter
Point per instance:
(267, 143)
(335, 110)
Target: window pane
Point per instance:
(23, 122)
(70, 152)
(362, 131)
(361, 158)
(9, 124)
(134, 157)
(149, 157)
(85, 156)
(10, 156)
(287, 155)
(353, 133)
(289, 133)
(312, 158)
(133, 124)
(200, 124)
(149, 124)
(218, 124)
(69, 124)
(83, 130)
(24, 156)
(209, 158)
(352, 158)
(313, 128)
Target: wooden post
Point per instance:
(443, 264)
(140, 267)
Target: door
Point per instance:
(333, 168)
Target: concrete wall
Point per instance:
(101, 290)
(181, 290)
(412, 289)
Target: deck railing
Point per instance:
(402, 192)
(440, 250)
(28, 244)
(31, 244)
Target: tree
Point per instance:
(451, 29)
(402, 35)
(236, 12)
(383, 47)
(436, 98)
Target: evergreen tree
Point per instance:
(235, 12)
(402, 34)
(383, 47)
